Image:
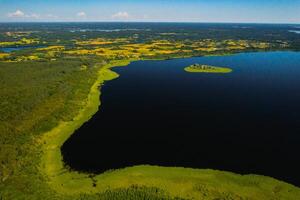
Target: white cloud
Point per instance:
(17, 13)
(21, 14)
(81, 14)
(120, 15)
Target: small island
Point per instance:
(207, 69)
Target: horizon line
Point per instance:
(266, 23)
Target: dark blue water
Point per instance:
(155, 113)
(11, 49)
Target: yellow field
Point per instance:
(126, 48)
(57, 48)
(23, 41)
(3, 55)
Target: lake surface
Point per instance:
(155, 113)
(295, 31)
(11, 49)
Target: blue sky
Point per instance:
(253, 11)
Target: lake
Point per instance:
(295, 31)
(247, 121)
(11, 49)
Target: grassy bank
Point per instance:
(51, 160)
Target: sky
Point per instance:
(236, 11)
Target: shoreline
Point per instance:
(51, 160)
(67, 182)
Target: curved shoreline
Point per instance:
(52, 164)
(177, 181)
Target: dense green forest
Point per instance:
(35, 96)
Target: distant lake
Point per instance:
(247, 121)
(295, 31)
(10, 49)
